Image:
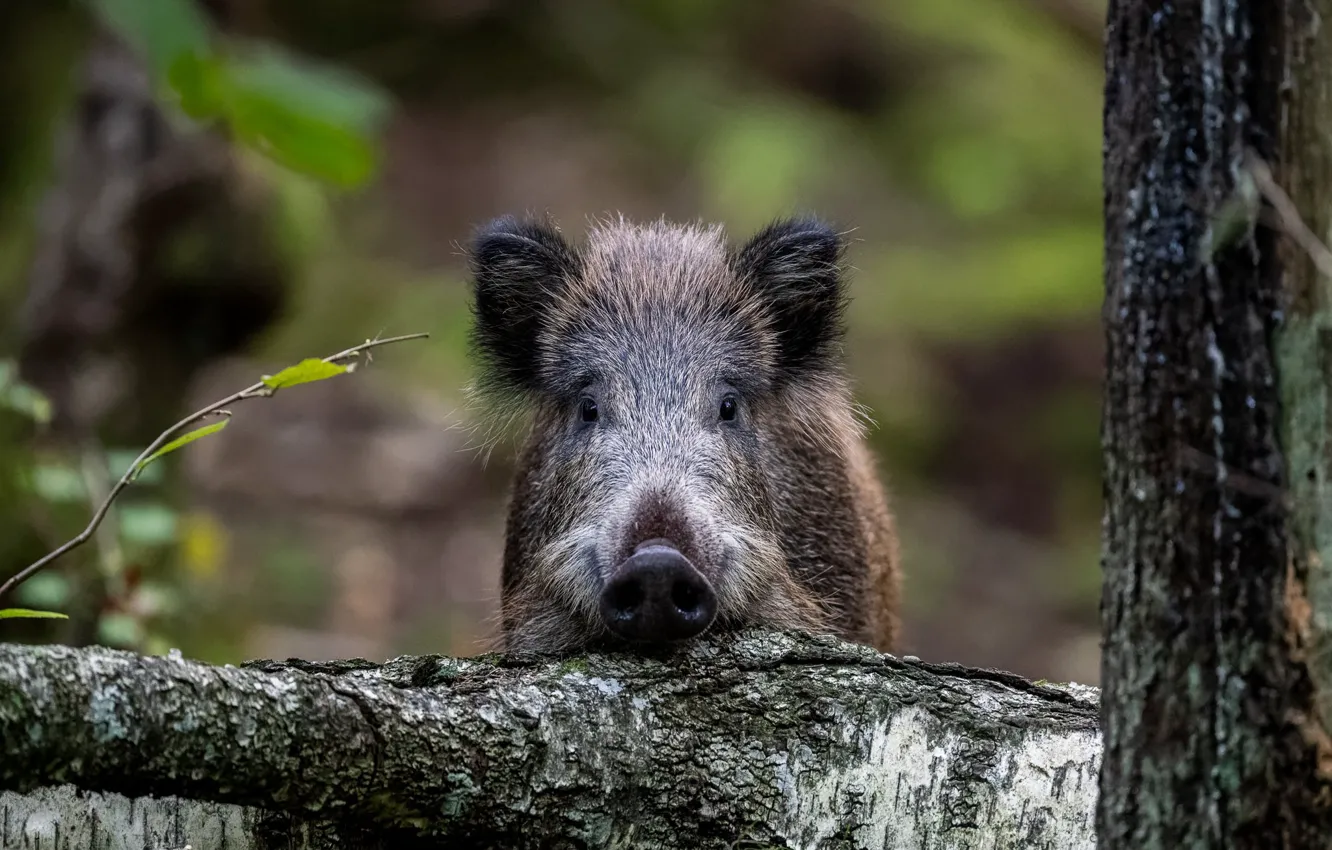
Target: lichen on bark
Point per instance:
(764, 738)
(1206, 698)
(1304, 344)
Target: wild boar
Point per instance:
(693, 458)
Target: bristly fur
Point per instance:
(781, 510)
(518, 267)
(795, 265)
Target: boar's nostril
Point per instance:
(625, 597)
(686, 596)
(656, 596)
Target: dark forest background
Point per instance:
(340, 153)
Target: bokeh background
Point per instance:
(337, 156)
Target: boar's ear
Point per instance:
(793, 266)
(518, 269)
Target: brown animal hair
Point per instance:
(688, 411)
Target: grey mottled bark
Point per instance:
(68, 819)
(767, 740)
(1209, 712)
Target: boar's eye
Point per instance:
(587, 410)
(729, 409)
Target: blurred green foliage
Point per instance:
(957, 140)
(991, 152)
(314, 119)
(134, 530)
(60, 492)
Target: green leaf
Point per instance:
(170, 447)
(161, 31)
(308, 370)
(200, 85)
(329, 93)
(120, 461)
(148, 525)
(30, 614)
(312, 119)
(302, 143)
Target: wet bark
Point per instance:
(1208, 712)
(763, 740)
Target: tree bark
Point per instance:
(1209, 709)
(761, 740)
(1304, 344)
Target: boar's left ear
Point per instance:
(794, 267)
(518, 269)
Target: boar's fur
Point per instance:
(689, 426)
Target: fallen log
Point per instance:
(756, 740)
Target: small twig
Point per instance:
(1289, 215)
(258, 390)
(1236, 480)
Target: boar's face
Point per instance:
(665, 374)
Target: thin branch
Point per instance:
(258, 390)
(1291, 221)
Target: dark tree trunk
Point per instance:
(1208, 711)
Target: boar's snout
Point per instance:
(656, 596)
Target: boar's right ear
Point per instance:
(518, 268)
(794, 267)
